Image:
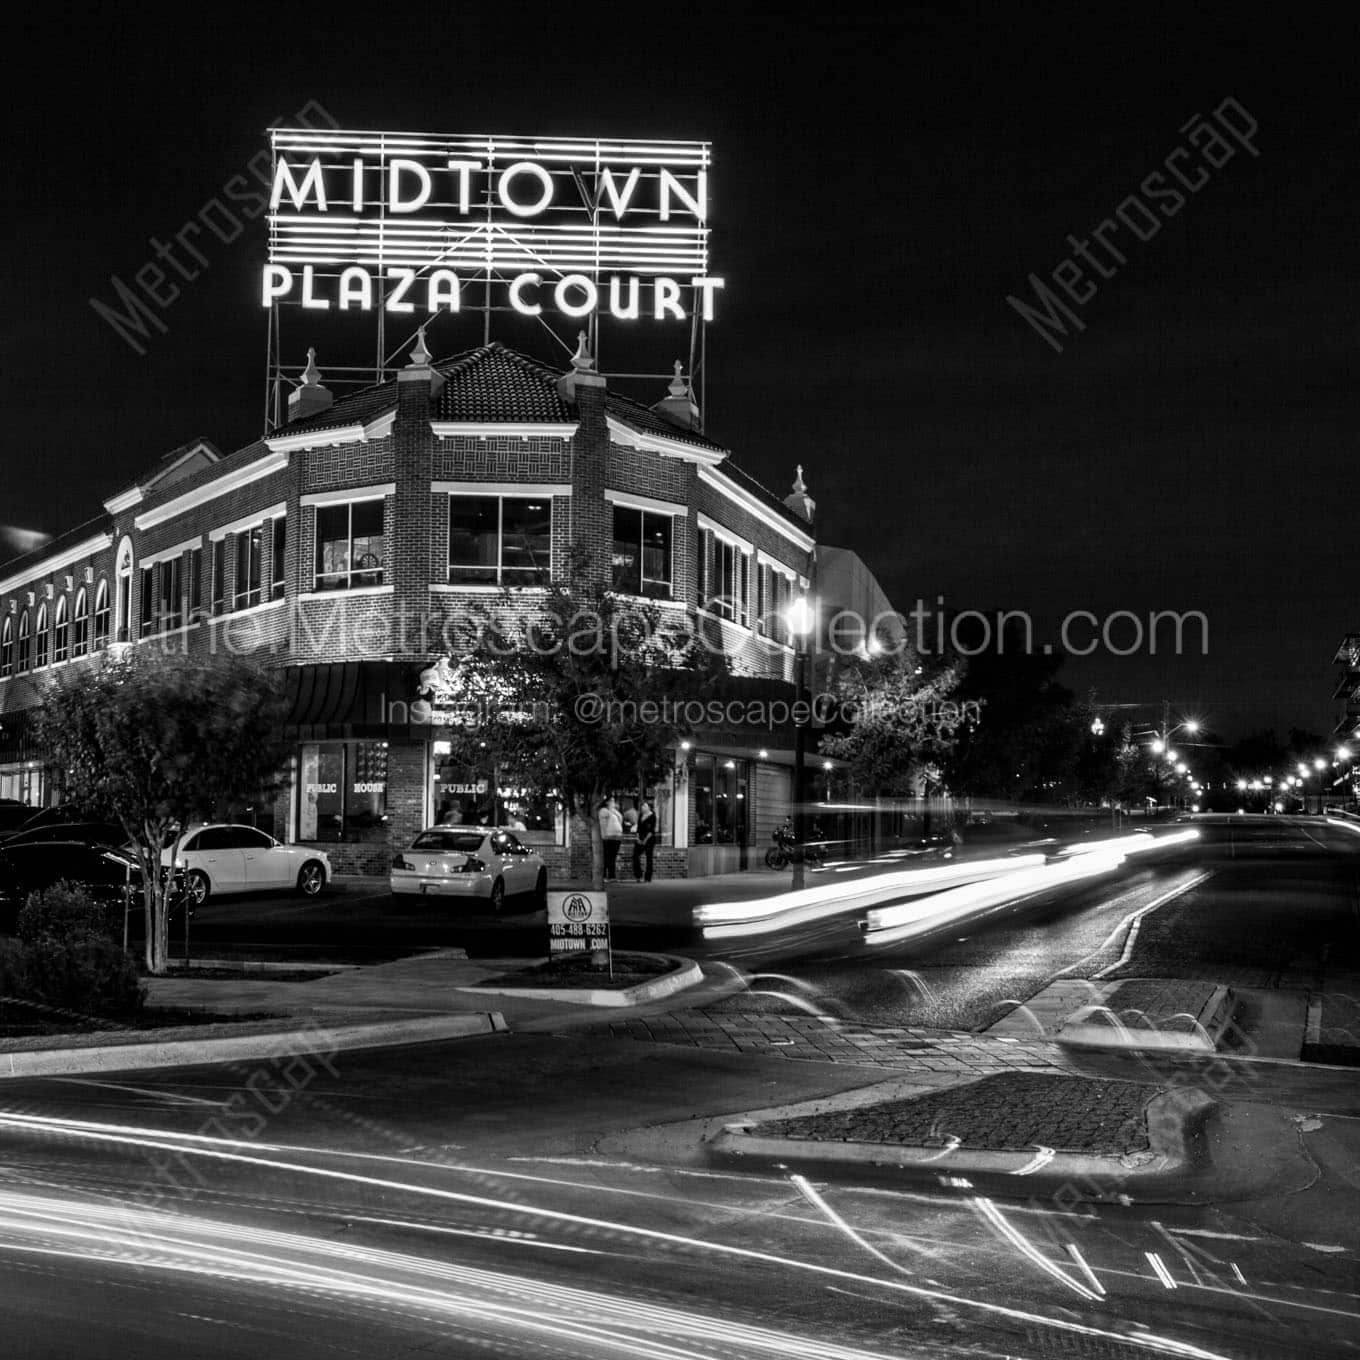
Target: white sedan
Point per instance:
(472, 861)
(222, 858)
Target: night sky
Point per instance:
(880, 185)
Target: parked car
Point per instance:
(108, 834)
(223, 858)
(480, 862)
(102, 872)
(13, 815)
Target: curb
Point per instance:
(127, 1057)
(687, 974)
(1173, 1121)
(1212, 1020)
(264, 966)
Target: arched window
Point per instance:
(123, 622)
(80, 624)
(7, 647)
(101, 615)
(25, 643)
(60, 633)
(41, 651)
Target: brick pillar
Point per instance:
(406, 774)
(592, 517)
(410, 512)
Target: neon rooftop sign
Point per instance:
(414, 223)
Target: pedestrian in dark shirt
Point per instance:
(645, 845)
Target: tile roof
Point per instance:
(646, 420)
(763, 493)
(492, 383)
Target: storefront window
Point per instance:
(342, 791)
(465, 797)
(721, 788)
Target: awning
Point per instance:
(342, 700)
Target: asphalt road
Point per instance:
(1255, 902)
(543, 1194)
(514, 1196)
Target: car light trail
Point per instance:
(891, 925)
(31, 1216)
(763, 916)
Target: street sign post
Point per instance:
(578, 922)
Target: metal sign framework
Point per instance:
(485, 244)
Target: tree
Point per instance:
(902, 721)
(584, 691)
(156, 742)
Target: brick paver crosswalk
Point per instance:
(817, 1038)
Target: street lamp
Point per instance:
(802, 619)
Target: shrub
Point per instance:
(64, 913)
(66, 958)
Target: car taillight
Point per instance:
(472, 866)
(401, 862)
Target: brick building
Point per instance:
(316, 547)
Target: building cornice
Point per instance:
(491, 429)
(661, 444)
(715, 478)
(210, 491)
(49, 566)
(358, 433)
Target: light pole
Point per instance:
(801, 618)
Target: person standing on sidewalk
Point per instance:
(645, 845)
(611, 833)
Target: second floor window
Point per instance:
(146, 616)
(249, 547)
(7, 647)
(170, 598)
(219, 576)
(500, 540)
(278, 559)
(726, 578)
(25, 656)
(642, 552)
(774, 595)
(80, 624)
(60, 632)
(350, 547)
(101, 616)
(40, 650)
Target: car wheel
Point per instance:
(498, 897)
(196, 888)
(311, 879)
(541, 891)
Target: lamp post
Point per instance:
(801, 618)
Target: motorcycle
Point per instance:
(786, 851)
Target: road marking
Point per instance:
(1041, 1158)
(1135, 921)
(1162, 1273)
(173, 1097)
(1109, 939)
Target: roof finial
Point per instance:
(679, 387)
(420, 354)
(311, 375)
(581, 361)
(799, 489)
